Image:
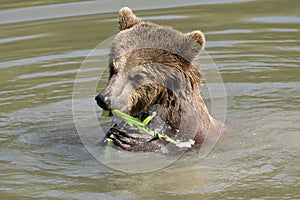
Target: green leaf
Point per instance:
(105, 113)
(132, 121)
(149, 118)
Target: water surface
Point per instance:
(255, 45)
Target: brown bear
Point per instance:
(152, 69)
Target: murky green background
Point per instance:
(256, 47)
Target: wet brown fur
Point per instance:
(144, 52)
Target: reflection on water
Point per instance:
(276, 19)
(256, 46)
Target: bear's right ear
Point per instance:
(127, 19)
(198, 36)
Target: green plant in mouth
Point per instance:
(132, 121)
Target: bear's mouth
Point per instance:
(149, 120)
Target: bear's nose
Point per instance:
(103, 101)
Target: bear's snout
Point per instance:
(103, 101)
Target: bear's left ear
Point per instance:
(198, 36)
(127, 19)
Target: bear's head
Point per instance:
(151, 68)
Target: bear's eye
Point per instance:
(112, 70)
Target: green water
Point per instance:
(255, 45)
